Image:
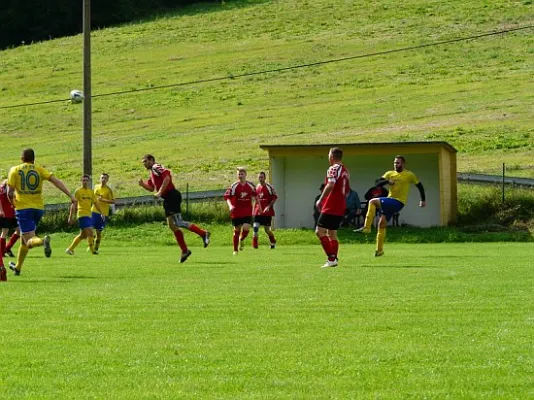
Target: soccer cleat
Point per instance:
(241, 245)
(379, 253)
(47, 248)
(273, 245)
(363, 229)
(206, 239)
(185, 256)
(3, 274)
(69, 252)
(10, 253)
(13, 267)
(329, 264)
(95, 252)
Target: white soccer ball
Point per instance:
(76, 96)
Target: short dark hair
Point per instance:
(28, 155)
(401, 158)
(337, 153)
(262, 173)
(86, 176)
(104, 174)
(149, 157)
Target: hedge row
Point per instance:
(35, 20)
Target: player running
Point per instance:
(264, 210)
(239, 198)
(25, 191)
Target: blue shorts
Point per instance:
(390, 206)
(28, 219)
(85, 222)
(98, 222)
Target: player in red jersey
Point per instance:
(332, 204)
(7, 221)
(264, 210)
(239, 199)
(161, 181)
(7, 218)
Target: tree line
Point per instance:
(27, 21)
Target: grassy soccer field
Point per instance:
(477, 95)
(425, 321)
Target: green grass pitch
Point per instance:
(424, 321)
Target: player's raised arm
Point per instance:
(72, 211)
(421, 189)
(61, 186)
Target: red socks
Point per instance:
(235, 240)
(179, 235)
(12, 240)
(197, 230)
(325, 242)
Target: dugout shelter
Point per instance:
(297, 171)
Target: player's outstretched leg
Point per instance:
(369, 217)
(204, 234)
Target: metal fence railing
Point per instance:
(149, 200)
(495, 179)
(215, 194)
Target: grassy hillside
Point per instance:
(477, 95)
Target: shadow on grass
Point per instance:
(59, 279)
(217, 262)
(72, 277)
(397, 266)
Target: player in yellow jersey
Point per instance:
(86, 199)
(399, 181)
(25, 190)
(105, 198)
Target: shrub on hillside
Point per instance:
(479, 204)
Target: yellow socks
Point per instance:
(370, 216)
(75, 242)
(90, 241)
(97, 240)
(380, 238)
(23, 251)
(34, 242)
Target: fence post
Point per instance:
(503, 174)
(187, 200)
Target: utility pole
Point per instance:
(87, 110)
